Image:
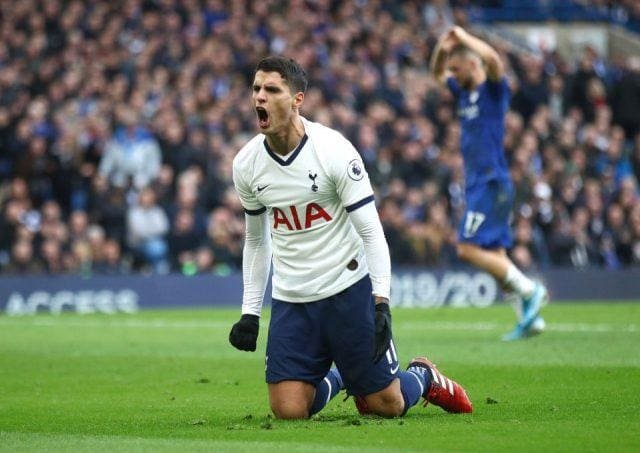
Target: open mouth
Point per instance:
(263, 117)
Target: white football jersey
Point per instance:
(307, 198)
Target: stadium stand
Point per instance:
(113, 113)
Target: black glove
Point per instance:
(382, 334)
(244, 333)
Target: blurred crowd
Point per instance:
(119, 121)
(624, 13)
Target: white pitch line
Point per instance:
(490, 326)
(426, 326)
(129, 323)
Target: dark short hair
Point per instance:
(289, 69)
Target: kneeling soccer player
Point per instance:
(309, 203)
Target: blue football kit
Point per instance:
(489, 191)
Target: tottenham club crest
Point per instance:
(355, 170)
(312, 177)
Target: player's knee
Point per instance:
(291, 399)
(386, 403)
(290, 410)
(387, 407)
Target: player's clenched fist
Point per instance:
(382, 335)
(244, 333)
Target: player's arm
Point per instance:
(439, 58)
(356, 194)
(354, 188)
(256, 261)
(489, 56)
(367, 223)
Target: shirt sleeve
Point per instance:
(256, 262)
(247, 197)
(367, 223)
(500, 88)
(351, 178)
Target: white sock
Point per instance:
(513, 299)
(519, 282)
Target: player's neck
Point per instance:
(286, 140)
(478, 79)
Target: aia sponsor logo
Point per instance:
(292, 220)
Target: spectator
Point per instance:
(614, 161)
(52, 226)
(395, 230)
(532, 249)
(52, 257)
(176, 152)
(626, 98)
(147, 226)
(205, 261)
(110, 262)
(184, 239)
(22, 260)
(635, 156)
(96, 239)
(78, 226)
(108, 207)
(80, 260)
(583, 77)
(132, 157)
(188, 198)
(557, 98)
(619, 233)
(105, 102)
(223, 233)
(634, 221)
(39, 168)
(532, 90)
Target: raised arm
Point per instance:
(489, 56)
(440, 54)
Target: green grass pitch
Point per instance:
(169, 381)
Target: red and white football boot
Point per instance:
(442, 391)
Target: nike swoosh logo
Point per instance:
(395, 370)
(260, 189)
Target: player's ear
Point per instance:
(475, 62)
(297, 100)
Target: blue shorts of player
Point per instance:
(305, 338)
(486, 221)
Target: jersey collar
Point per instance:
(292, 157)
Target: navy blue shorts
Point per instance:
(305, 338)
(487, 218)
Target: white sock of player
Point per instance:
(512, 298)
(519, 282)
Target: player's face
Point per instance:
(460, 69)
(274, 102)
